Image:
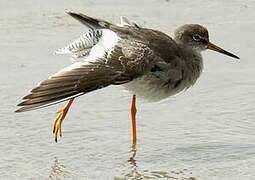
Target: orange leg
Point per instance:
(60, 118)
(133, 120)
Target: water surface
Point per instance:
(205, 133)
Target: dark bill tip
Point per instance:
(213, 47)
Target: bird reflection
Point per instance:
(129, 170)
(132, 168)
(132, 171)
(132, 154)
(58, 171)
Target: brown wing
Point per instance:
(129, 58)
(78, 79)
(125, 62)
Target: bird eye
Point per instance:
(196, 37)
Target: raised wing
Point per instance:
(126, 61)
(81, 47)
(123, 59)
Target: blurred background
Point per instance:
(205, 133)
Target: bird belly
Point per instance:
(153, 89)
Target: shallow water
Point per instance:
(206, 132)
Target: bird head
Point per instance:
(196, 37)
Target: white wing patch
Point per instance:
(92, 45)
(105, 44)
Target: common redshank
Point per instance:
(147, 62)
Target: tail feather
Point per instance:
(81, 47)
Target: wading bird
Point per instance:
(147, 62)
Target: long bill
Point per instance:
(213, 47)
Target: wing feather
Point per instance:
(128, 58)
(63, 85)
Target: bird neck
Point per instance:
(191, 55)
(189, 49)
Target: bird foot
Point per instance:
(57, 131)
(58, 123)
